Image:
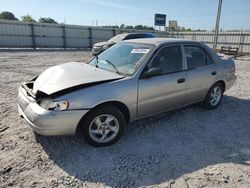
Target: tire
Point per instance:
(214, 96)
(103, 126)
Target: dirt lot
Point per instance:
(191, 147)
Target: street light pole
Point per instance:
(217, 24)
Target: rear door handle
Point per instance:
(214, 73)
(181, 80)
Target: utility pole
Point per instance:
(217, 24)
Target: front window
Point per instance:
(168, 59)
(123, 58)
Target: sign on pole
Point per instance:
(160, 19)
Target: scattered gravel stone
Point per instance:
(191, 147)
(6, 170)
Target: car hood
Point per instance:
(103, 43)
(69, 75)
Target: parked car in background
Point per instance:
(131, 80)
(101, 46)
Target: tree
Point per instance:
(139, 27)
(129, 27)
(7, 16)
(122, 26)
(28, 18)
(143, 27)
(47, 20)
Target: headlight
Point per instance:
(55, 105)
(61, 105)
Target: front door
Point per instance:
(167, 89)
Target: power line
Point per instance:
(203, 12)
(194, 10)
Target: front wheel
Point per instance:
(103, 126)
(214, 96)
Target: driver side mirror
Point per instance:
(151, 72)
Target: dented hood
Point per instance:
(69, 75)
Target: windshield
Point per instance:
(118, 38)
(123, 58)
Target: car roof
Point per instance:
(160, 41)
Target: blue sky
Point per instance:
(189, 13)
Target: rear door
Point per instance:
(166, 90)
(201, 73)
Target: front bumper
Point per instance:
(46, 122)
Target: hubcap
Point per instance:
(104, 128)
(215, 96)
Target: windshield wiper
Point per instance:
(97, 61)
(113, 66)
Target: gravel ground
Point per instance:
(191, 147)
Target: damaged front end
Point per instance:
(40, 102)
(43, 99)
(44, 115)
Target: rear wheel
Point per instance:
(103, 126)
(214, 96)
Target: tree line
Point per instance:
(136, 27)
(26, 18)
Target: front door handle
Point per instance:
(213, 73)
(181, 80)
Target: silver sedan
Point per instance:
(129, 81)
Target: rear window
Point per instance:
(195, 56)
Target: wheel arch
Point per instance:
(222, 82)
(121, 106)
(206, 100)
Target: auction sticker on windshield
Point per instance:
(140, 51)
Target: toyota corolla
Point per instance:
(131, 80)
